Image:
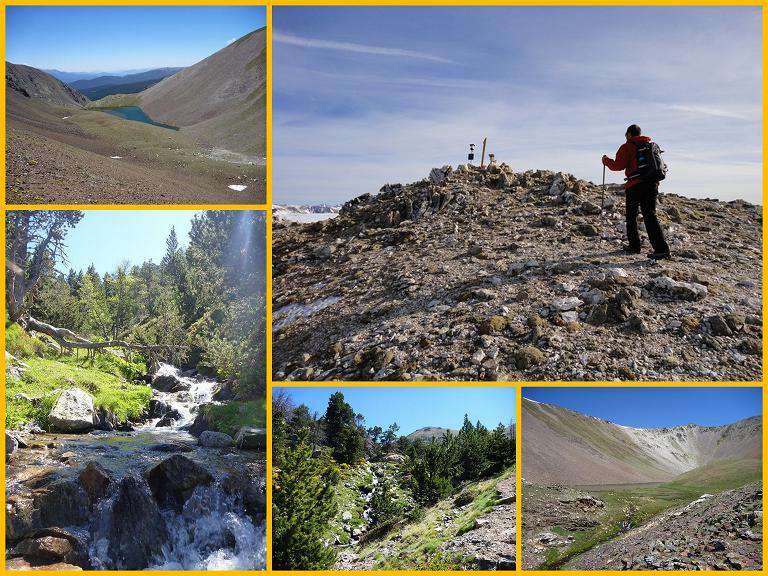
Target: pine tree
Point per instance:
(342, 432)
(303, 503)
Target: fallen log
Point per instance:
(68, 339)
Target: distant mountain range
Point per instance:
(68, 77)
(102, 86)
(305, 214)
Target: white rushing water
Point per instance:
(186, 402)
(213, 530)
(213, 533)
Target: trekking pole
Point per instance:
(602, 190)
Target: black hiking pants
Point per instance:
(642, 197)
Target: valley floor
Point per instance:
(673, 526)
(60, 155)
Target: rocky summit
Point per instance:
(491, 274)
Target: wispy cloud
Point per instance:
(717, 112)
(357, 48)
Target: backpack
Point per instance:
(650, 165)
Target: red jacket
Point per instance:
(626, 159)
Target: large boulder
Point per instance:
(250, 489)
(73, 411)
(169, 419)
(173, 480)
(250, 438)
(63, 502)
(135, 529)
(211, 439)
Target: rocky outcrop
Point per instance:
(491, 274)
(73, 411)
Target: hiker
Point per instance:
(640, 194)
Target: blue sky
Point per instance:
(107, 238)
(117, 38)
(643, 407)
(369, 95)
(416, 407)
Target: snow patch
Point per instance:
(238, 187)
(290, 313)
(116, 157)
(65, 117)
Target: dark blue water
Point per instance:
(137, 114)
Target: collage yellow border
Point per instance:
(518, 386)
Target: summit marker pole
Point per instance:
(482, 158)
(602, 190)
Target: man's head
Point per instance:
(633, 131)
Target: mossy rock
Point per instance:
(528, 357)
(492, 325)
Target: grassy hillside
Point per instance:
(416, 542)
(108, 379)
(633, 506)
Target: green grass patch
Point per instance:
(230, 417)
(21, 344)
(45, 378)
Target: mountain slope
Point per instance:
(492, 274)
(219, 100)
(564, 446)
(36, 84)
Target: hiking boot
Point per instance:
(631, 249)
(659, 255)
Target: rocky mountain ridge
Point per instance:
(564, 446)
(491, 274)
(33, 83)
